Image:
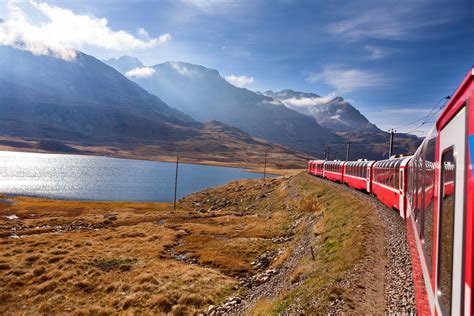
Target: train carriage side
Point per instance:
(357, 174)
(334, 170)
(319, 164)
(440, 210)
(388, 183)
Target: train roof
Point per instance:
(457, 100)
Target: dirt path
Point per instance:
(395, 264)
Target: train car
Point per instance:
(388, 183)
(440, 209)
(318, 168)
(334, 170)
(357, 174)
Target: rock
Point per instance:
(211, 309)
(110, 217)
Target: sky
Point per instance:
(393, 60)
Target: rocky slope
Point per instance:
(336, 113)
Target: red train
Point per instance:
(433, 190)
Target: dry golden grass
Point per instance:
(69, 258)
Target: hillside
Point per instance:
(205, 95)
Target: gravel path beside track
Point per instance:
(399, 290)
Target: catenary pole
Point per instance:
(348, 151)
(176, 183)
(392, 135)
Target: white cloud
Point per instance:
(214, 6)
(62, 31)
(142, 32)
(377, 52)
(347, 79)
(143, 72)
(307, 105)
(181, 69)
(272, 102)
(308, 102)
(407, 110)
(402, 20)
(239, 81)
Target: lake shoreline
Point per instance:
(278, 158)
(245, 167)
(99, 178)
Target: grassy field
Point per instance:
(67, 256)
(103, 257)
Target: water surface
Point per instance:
(109, 179)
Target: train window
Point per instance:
(417, 188)
(446, 231)
(428, 216)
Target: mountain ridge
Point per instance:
(210, 97)
(334, 113)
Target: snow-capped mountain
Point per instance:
(334, 113)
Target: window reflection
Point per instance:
(446, 233)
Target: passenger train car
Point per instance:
(433, 190)
(357, 174)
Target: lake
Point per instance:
(106, 179)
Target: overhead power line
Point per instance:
(426, 117)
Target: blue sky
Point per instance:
(392, 59)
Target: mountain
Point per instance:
(84, 96)
(124, 63)
(85, 105)
(205, 95)
(335, 113)
(338, 115)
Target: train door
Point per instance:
(369, 165)
(450, 227)
(401, 189)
